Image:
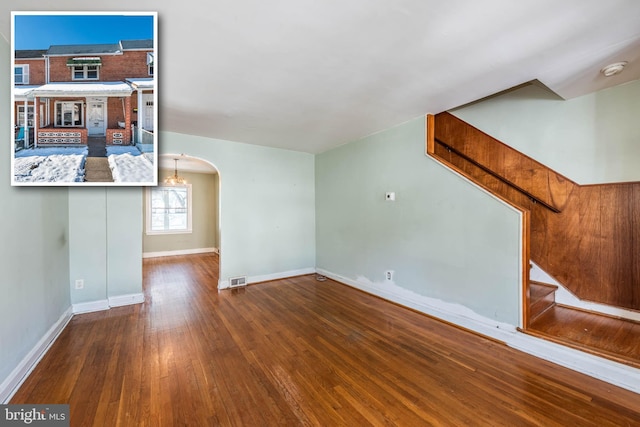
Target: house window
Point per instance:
(21, 74)
(69, 114)
(20, 121)
(169, 209)
(150, 62)
(84, 72)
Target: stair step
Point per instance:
(542, 296)
(595, 333)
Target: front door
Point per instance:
(95, 118)
(147, 101)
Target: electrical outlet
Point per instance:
(79, 283)
(388, 275)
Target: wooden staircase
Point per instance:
(542, 296)
(594, 333)
(583, 236)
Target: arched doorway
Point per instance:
(182, 216)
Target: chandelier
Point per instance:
(175, 179)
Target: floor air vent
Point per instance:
(235, 282)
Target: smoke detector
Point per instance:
(613, 69)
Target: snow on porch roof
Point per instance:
(22, 92)
(84, 89)
(142, 82)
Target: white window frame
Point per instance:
(25, 73)
(21, 116)
(85, 71)
(150, 63)
(149, 208)
(73, 125)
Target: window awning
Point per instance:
(89, 60)
(150, 58)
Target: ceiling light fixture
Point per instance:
(613, 69)
(175, 179)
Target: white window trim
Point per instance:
(150, 63)
(25, 117)
(84, 72)
(25, 74)
(189, 229)
(55, 114)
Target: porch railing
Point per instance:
(147, 136)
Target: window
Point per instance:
(69, 114)
(169, 209)
(84, 72)
(20, 121)
(21, 74)
(150, 62)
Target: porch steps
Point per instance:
(96, 169)
(542, 296)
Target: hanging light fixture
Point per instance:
(175, 179)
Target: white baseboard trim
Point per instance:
(121, 300)
(91, 306)
(224, 284)
(15, 379)
(179, 252)
(612, 372)
(282, 275)
(618, 374)
(453, 313)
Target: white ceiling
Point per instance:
(309, 75)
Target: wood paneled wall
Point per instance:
(587, 237)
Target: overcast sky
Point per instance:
(40, 31)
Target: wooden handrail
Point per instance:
(500, 177)
(585, 236)
(532, 178)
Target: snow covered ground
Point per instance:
(51, 164)
(67, 164)
(128, 164)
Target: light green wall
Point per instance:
(267, 201)
(34, 251)
(105, 237)
(124, 241)
(204, 190)
(591, 139)
(88, 241)
(443, 237)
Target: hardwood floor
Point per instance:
(299, 352)
(616, 339)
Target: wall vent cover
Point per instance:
(235, 282)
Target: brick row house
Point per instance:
(68, 93)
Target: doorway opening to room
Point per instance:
(182, 214)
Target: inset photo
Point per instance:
(84, 99)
